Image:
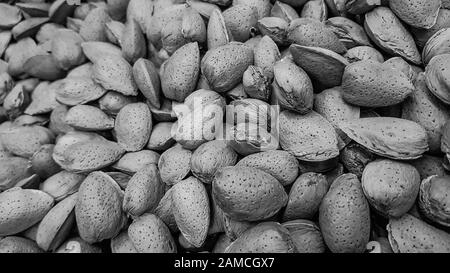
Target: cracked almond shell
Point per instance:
(325, 66)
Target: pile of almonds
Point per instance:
(103, 147)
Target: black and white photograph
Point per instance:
(223, 133)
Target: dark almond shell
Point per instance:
(325, 66)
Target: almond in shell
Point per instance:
(149, 234)
(66, 49)
(409, 234)
(389, 137)
(133, 126)
(322, 65)
(26, 140)
(313, 33)
(88, 118)
(390, 187)
(56, 225)
(62, 184)
(241, 21)
(115, 73)
(387, 31)
(424, 108)
(371, 84)
(305, 196)
(161, 138)
(224, 66)
(248, 194)
(280, 164)
(344, 216)
(132, 162)
(436, 77)
(191, 210)
(174, 164)
(180, 73)
(210, 157)
(98, 209)
(308, 137)
(267, 237)
(22, 209)
(143, 192)
(416, 13)
(93, 26)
